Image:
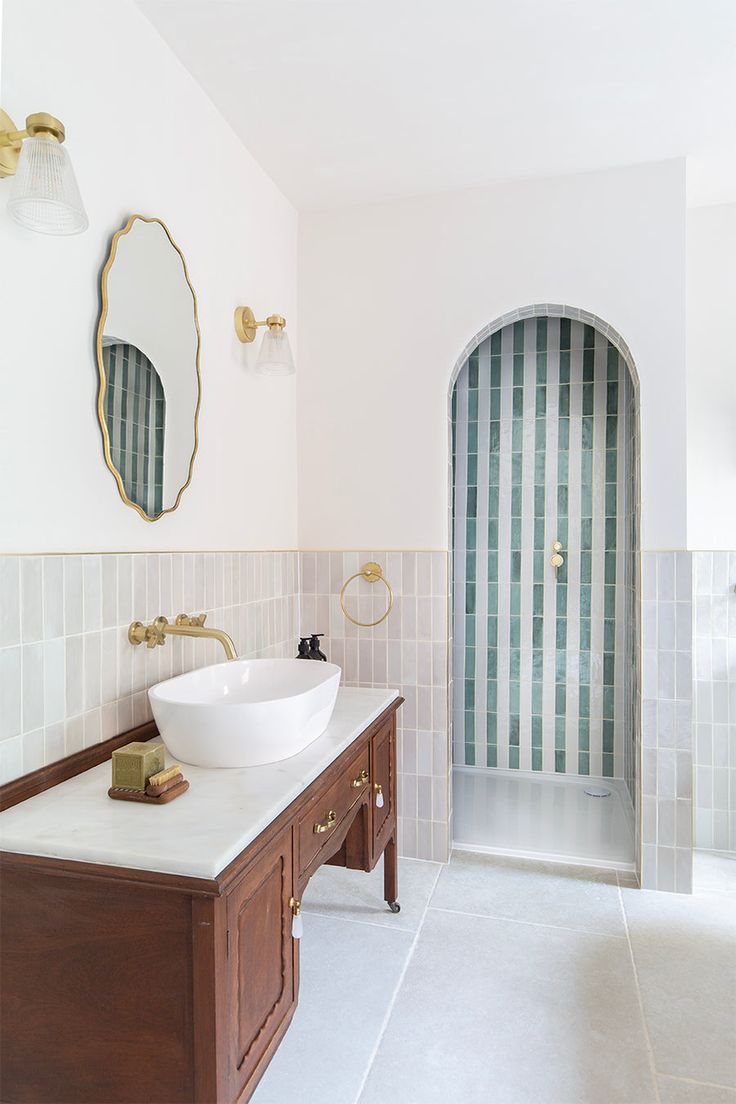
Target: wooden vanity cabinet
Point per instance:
(121, 985)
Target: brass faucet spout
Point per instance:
(199, 630)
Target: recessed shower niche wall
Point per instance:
(545, 657)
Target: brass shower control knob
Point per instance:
(557, 560)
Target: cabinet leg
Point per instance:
(391, 875)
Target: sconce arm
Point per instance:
(12, 137)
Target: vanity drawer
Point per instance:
(324, 815)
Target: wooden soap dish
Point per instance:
(136, 795)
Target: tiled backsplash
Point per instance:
(667, 776)
(715, 700)
(68, 675)
(409, 651)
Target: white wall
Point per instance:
(391, 293)
(711, 374)
(144, 138)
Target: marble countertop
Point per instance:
(196, 835)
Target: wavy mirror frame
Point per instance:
(103, 378)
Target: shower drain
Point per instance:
(597, 791)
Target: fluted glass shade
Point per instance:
(44, 195)
(275, 356)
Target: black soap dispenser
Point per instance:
(304, 648)
(315, 651)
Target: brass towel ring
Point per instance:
(372, 573)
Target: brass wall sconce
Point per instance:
(275, 356)
(44, 193)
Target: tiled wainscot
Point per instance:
(715, 700)
(68, 675)
(667, 775)
(408, 650)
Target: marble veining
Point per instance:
(197, 835)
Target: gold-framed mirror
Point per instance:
(148, 344)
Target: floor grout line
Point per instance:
(692, 1081)
(395, 994)
(352, 920)
(645, 1025)
(528, 923)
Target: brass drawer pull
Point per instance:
(379, 794)
(361, 780)
(329, 822)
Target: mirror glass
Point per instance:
(148, 360)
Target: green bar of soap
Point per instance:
(134, 763)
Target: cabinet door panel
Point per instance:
(261, 973)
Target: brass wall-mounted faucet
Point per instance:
(156, 633)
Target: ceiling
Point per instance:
(347, 101)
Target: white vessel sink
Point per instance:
(245, 712)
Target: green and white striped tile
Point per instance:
(135, 413)
(543, 446)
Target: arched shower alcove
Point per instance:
(545, 659)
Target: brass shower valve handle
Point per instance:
(557, 560)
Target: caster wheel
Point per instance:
(394, 906)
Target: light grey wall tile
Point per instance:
(32, 692)
(33, 751)
(9, 600)
(109, 591)
(10, 692)
(73, 606)
(74, 674)
(665, 576)
(92, 670)
(92, 593)
(74, 734)
(53, 596)
(53, 742)
(11, 759)
(54, 677)
(31, 600)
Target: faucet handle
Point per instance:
(155, 634)
(195, 621)
(150, 635)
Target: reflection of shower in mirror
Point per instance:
(148, 361)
